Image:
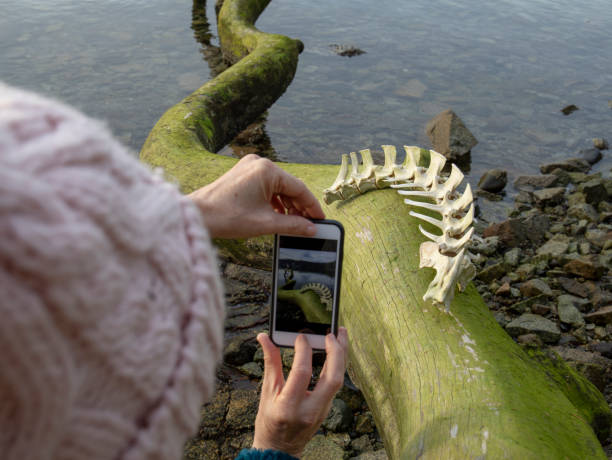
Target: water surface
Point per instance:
(506, 67)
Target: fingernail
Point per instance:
(311, 228)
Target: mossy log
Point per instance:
(440, 385)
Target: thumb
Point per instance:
(293, 225)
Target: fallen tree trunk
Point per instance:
(440, 385)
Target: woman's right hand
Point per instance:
(289, 414)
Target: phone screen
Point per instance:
(306, 285)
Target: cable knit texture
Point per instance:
(111, 307)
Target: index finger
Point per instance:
(302, 198)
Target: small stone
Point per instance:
(339, 417)
(242, 409)
(239, 350)
(525, 305)
(549, 196)
(581, 335)
(600, 143)
(492, 272)
(577, 177)
(583, 211)
(569, 314)
(594, 191)
(600, 332)
(321, 447)
(576, 198)
(586, 266)
(503, 290)
(362, 444)
(512, 257)
(602, 316)
(554, 247)
(541, 309)
(569, 165)
(375, 455)
(501, 318)
(287, 355)
(536, 181)
(258, 356)
(557, 228)
(493, 180)
(573, 287)
(591, 155)
(579, 228)
(515, 292)
(584, 249)
(488, 246)
(252, 370)
(365, 423)
(530, 323)
(530, 339)
(525, 271)
(605, 348)
(598, 237)
(535, 287)
(449, 135)
(568, 109)
(576, 302)
(341, 439)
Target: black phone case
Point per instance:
(335, 313)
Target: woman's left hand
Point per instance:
(256, 197)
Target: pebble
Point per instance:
(600, 143)
(569, 165)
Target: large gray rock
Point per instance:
(530, 323)
(554, 247)
(549, 196)
(493, 180)
(594, 191)
(449, 136)
(583, 211)
(536, 181)
(568, 313)
(569, 165)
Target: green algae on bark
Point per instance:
(440, 385)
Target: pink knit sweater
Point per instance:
(111, 308)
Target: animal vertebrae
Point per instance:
(446, 251)
(324, 293)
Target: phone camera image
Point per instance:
(306, 273)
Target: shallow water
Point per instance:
(506, 67)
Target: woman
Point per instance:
(110, 300)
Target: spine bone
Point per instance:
(445, 252)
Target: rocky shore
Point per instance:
(544, 272)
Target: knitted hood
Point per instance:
(111, 308)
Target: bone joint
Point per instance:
(427, 189)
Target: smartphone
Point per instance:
(306, 285)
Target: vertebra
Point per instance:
(445, 253)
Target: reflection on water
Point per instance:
(125, 61)
(506, 67)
